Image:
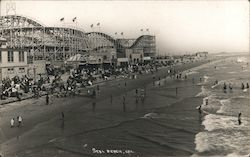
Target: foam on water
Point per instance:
(204, 92)
(232, 72)
(151, 115)
(237, 155)
(245, 90)
(216, 122)
(235, 105)
(206, 78)
(224, 104)
(219, 142)
(242, 60)
(213, 104)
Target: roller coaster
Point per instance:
(59, 43)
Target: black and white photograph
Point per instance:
(124, 78)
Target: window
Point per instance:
(21, 56)
(10, 56)
(10, 70)
(21, 70)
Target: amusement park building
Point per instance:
(60, 43)
(13, 62)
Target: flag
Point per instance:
(115, 33)
(121, 33)
(91, 26)
(98, 24)
(141, 29)
(74, 19)
(62, 19)
(148, 29)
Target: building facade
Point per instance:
(13, 62)
(135, 56)
(202, 54)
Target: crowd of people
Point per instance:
(76, 80)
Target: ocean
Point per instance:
(222, 134)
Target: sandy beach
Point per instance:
(164, 125)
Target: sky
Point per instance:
(180, 27)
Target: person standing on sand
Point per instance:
(62, 115)
(12, 123)
(136, 99)
(98, 89)
(93, 106)
(111, 98)
(94, 93)
(47, 99)
(124, 98)
(124, 106)
(19, 121)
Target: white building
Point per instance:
(13, 62)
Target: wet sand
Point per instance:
(104, 129)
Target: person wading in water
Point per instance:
(239, 118)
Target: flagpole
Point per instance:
(99, 27)
(148, 31)
(141, 32)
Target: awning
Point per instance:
(146, 58)
(122, 59)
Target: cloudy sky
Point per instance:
(179, 26)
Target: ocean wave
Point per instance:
(232, 72)
(201, 142)
(204, 92)
(237, 155)
(235, 105)
(222, 135)
(215, 122)
(206, 78)
(242, 60)
(221, 142)
(210, 104)
(151, 115)
(224, 104)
